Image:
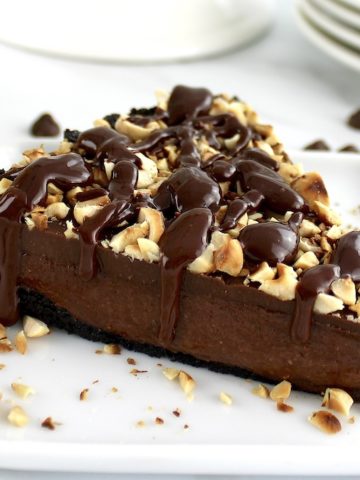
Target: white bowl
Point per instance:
(134, 31)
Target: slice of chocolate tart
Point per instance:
(185, 230)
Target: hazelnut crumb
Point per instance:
(21, 342)
(135, 371)
(140, 424)
(177, 412)
(84, 394)
(131, 361)
(159, 421)
(95, 381)
(186, 426)
(226, 398)
(338, 400)
(159, 365)
(171, 373)
(325, 421)
(187, 383)
(114, 390)
(2, 366)
(18, 417)
(352, 419)
(49, 423)
(261, 391)
(284, 407)
(34, 328)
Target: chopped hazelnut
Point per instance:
(308, 229)
(155, 220)
(263, 273)
(327, 215)
(344, 288)
(338, 400)
(21, 342)
(112, 349)
(34, 328)
(135, 132)
(49, 423)
(228, 255)
(225, 398)
(281, 391)
(84, 394)
(57, 210)
(131, 361)
(22, 390)
(187, 383)
(325, 304)
(18, 417)
(159, 421)
(312, 188)
(204, 263)
(306, 261)
(282, 287)
(261, 391)
(5, 183)
(129, 236)
(171, 373)
(149, 250)
(284, 407)
(325, 421)
(147, 173)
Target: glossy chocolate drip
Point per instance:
(188, 188)
(347, 255)
(186, 103)
(124, 180)
(111, 215)
(91, 194)
(259, 156)
(29, 189)
(315, 280)
(271, 242)
(91, 140)
(279, 196)
(183, 241)
(238, 207)
(226, 125)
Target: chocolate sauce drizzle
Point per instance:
(29, 189)
(189, 198)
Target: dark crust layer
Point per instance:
(37, 305)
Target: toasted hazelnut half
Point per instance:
(18, 417)
(325, 421)
(311, 187)
(155, 220)
(344, 288)
(23, 391)
(129, 236)
(34, 328)
(325, 304)
(282, 287)
(338, 400)
(281, 391)
(261, 391)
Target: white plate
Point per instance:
(329, 25)
(335, 49)
(340, 12)
(100, 434)
(129, 31)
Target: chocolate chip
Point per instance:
(349, 148)
(144, 112)
(45, 126)
(112, 118)
(354, 120)
(71, 135)
(317, 145)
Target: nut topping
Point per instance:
(34, 328)
(325, 421)
(338, 400)
(281, 391)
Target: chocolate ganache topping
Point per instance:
(217, 174)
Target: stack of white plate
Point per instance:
(333, 26)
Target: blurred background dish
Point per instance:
(340, 11)
(135, 31)
(327, 32)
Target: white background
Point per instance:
(305, 94)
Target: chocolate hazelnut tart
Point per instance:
(185, 230)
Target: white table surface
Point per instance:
(291, 84)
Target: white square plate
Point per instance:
(101, 433)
